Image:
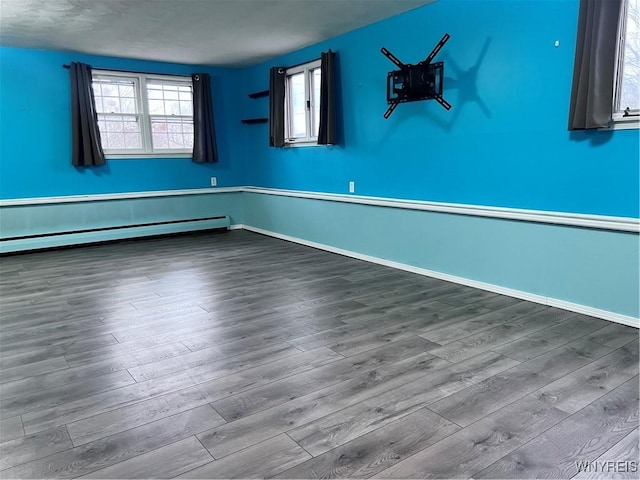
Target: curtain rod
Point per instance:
(132, 71)
(302, 63)
(308, 61)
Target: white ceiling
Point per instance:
(209, 32)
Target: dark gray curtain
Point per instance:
(86, 149)
(204, 134)
(276, 106)
(594, 65)
(327, 127)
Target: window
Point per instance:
(144, 114)
(302, 103)
(627, 86)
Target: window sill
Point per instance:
(624, 122)
(145, 156)
(632, 125)
(310, 143)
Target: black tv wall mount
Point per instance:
(416, 82)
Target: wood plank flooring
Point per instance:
(235, 355)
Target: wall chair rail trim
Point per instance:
(600, 222)
(20, 202)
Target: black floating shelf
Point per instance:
(264, 93)
(255, 120)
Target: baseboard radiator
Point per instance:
(43, 240)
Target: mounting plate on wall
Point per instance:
(416, 82)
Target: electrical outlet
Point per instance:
(214, 182)
(352, 187)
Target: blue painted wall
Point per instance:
(35, 134)
(504, 143)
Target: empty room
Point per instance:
(319, 239)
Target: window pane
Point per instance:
(115, 95)
(154, 93)
(109, 88)
(160, 140)
(171, 93)
(630, 95)
(132, 140)
(315, 101)
(171, 107)
(171, 133)
(186, 108)
(115, 141)
(128, 105)
(99, 104)
(125, 91)
(175, 141)
(169, 99)
(156, 107)
(297, 106)
(120, 132)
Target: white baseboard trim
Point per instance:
(552, 302)
(594, 312)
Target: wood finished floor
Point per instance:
(234, 355)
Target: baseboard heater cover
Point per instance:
(116, 232)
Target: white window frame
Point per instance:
(623, 118)
(140, 85)
(310, 139)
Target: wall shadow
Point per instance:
(595, 137)
(97, 171)
(465, 81)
